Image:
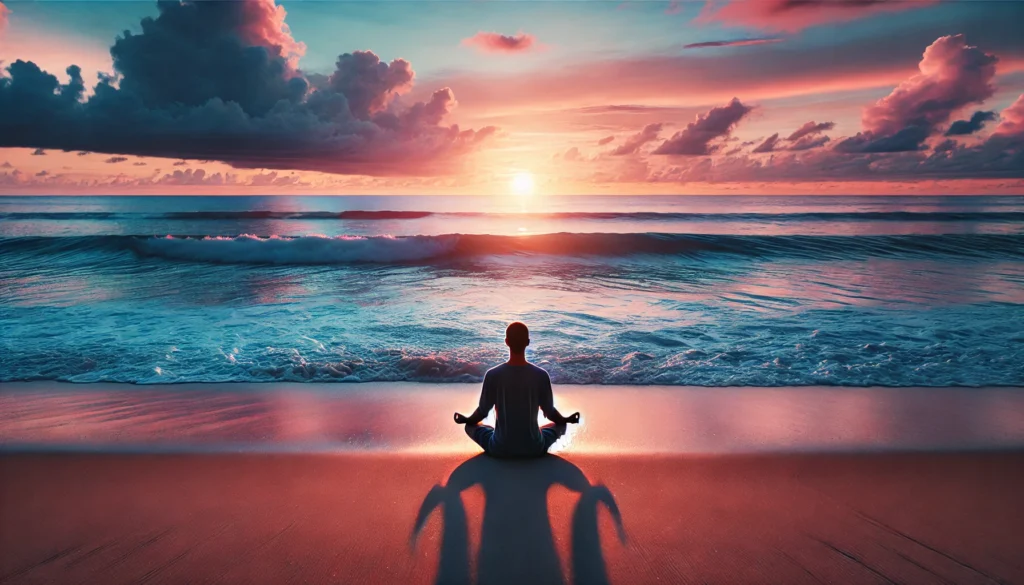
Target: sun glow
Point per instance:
(522, 184)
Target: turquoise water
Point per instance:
(713, 291)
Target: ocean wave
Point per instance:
(852, 364)
(323, 250)
(389, 215)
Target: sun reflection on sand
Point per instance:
(361, 417)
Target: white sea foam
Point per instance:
(314, 249)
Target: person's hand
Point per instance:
(460, 419)
(573, 418)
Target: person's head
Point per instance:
(517, 337)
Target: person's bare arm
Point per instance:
(478, 415)
(547, 406)
(481, 412)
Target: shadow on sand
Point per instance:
(516, 544)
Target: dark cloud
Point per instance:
(39, 152)
(906, 139)
(116, 159)
(733, 43)
(492, 42)
(42, 173)
(965, 127)
(216, 81)
(768, 145)
(808, 142)
(7, 165)
(138, 164)
(810, 128)
(605, 140)
(696, 138)
(83, 153)
(180, 163)
(634, 142)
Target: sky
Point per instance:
(512, 97)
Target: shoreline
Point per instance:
(409, 417)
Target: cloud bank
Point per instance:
(218, 81)
(895, 143)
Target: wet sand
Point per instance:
(407, 518)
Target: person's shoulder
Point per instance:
(539, 371)
(495, 371)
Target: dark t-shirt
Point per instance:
(517, 392)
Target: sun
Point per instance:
(522, 184)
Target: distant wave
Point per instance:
(388, 215)
(322, 250)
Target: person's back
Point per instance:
(517, 393)
(517, 389)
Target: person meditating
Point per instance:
(517, 389)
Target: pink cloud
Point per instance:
(633, 143)
(696, 138)
(808, 142)
(952, 75)
(796, 15)
(809, 129)
(263, 25)
(4, 11)
(492, 42)
(1012, 119)
(195, 177)
(605, 140)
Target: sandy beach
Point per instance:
(895, 518)
(107, 483)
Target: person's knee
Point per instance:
(471, 430)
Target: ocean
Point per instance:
(653, 290)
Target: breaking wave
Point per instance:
(323, 250)
(385, 215)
